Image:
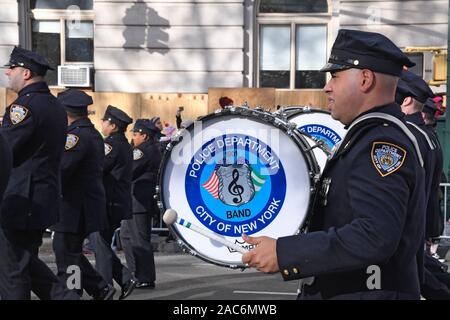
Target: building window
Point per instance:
(293, 6)
(292, 43)
(61, 4)
(275, 56)
(417, 58)
(63, 32)
(311, 53)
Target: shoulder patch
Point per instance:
(71, 141)
(137, 154)
(108, 149)
(387, 157)
(17, 113)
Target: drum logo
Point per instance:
(235, 187)
(235, 184)
(323, 133)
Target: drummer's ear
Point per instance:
(367, 80)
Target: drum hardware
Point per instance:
(192, 187)
(321, 130)
(325, 189)
(318, 144)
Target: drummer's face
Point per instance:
(342, 92)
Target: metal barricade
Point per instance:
(444, 206)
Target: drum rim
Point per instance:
(296, 112)
(290, 130)
(299, 112)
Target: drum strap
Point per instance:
(398, 122)
(430, 143)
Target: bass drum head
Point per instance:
(234, 175)
(322, 127)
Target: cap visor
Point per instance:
(330, 67)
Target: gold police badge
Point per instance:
(71, 141)
(387, 157)
(17, 113)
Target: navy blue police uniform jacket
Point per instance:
(117, 176)
(368, 212)
(84, 203)
(35, 126)
(6, 161)
(146, 160)
(420, 131)
(435, 222)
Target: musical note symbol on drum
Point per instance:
(236, 189)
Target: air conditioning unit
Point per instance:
(74, 76)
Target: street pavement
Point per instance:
(181, 276)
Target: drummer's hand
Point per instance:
(264, 256)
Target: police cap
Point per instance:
(366, 50)
(117, 116)
(28, 59)
(145, 126)
(411, 85)
(430, 107)
(75, 101)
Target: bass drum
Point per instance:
(234, 172)
(320, 126)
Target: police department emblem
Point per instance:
(71, 141)
(17, 113)
(137, 154)
(328, 136)
(108, 149)
(387, 157)
(235, 184)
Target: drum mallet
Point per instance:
(171, 216)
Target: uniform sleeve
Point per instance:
(148, 163)
(18, 127)
(140, 162)
(117, 161)
(379, 207)
(110, 157)
(75, 151)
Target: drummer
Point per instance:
(366, 227)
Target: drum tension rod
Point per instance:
(318, 144)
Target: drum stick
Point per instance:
(171, 216)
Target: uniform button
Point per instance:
(295, 270)
(385, 125)
(286, 272)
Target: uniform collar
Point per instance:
(145, 144)
(118, 136)
(83, 122)
(40, 86)
(390, 108)
(415, 118)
